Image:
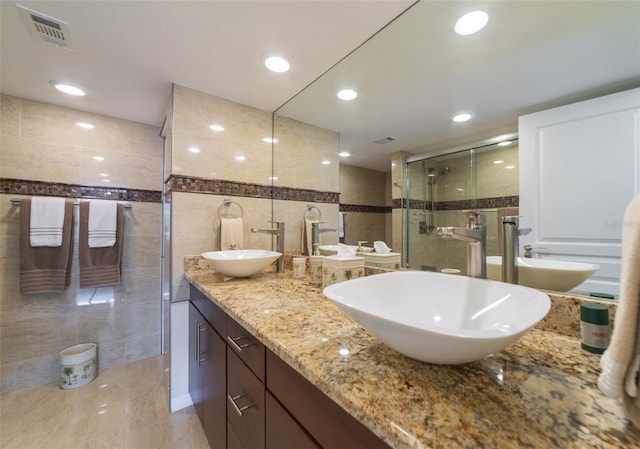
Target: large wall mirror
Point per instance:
(411, 78)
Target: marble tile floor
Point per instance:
(125, 407)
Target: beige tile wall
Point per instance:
(195, 227)
(41, 142)
(244, 129)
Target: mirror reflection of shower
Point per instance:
(429, 182)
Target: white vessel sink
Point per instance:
(439, 318)
(241, 262)
(332, 250)
(546, 274)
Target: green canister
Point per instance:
(594, 327)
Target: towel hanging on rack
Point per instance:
(231, 233)
(99, 267)
(45, 269)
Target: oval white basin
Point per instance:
(241, 262)
(332, 250)
(546, 274)
(439, 318)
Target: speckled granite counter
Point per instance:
(538, 393)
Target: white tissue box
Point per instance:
(338, 269)
(389, 261)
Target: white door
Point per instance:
(579, 169)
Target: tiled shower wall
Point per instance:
(462, 181)
(42, 151)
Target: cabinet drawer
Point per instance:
(323, 419)
(245, 403)
(283, 432)
(211, 312)
(248, 348)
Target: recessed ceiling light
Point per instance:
(241, 158)
(67, 88)
(498, 162)
(326, 162)
(471, 23)
(194, 150)
(273, 178)
(463, 117)
(98, 158)
(106, 180)
(276, 64)
(344, 154)
(104, 175)
(504, 143)
(347, 94)
(85, 125)
(216, 128)
(270, 140)
(509, 167)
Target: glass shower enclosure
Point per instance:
(439, 192)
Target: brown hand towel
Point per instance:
(99, 267)
(45, 269)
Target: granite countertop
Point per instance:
(538, 393)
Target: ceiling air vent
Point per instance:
(46, 28)
(385, 140)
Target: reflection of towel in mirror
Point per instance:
(231, 232)
(46, 220)
(621, 361)
(307, 236)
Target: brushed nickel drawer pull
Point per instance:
(239, 410)
(234, 342)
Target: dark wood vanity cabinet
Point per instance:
(207, 377)
(248, 398)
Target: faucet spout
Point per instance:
(315, 234)
(278, 231)
(510, 234)
(475, 234)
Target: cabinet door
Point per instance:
(245, 403)
(214, 390)
(197, 325)
(579, 169)
(283, 432)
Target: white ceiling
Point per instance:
(127, 53)
(412, 76)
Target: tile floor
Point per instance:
(125, 407)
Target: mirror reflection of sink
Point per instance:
(546, 274)
(439, 318)
(332, 250)
(241, 262)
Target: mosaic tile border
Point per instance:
(479, 203)
(365, 209)
(192, 184)
(10, 186)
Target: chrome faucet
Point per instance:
(316, 231)
(278, 231)
(510, 234)
(475, 234)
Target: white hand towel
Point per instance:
(381, 247)
(45, 223)
(620, 362)
(102, 223)
(231, 233)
